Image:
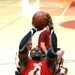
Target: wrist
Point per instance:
(51, 28)
(33, 30)
(36, 29)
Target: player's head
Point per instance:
(36, 53)
(49, 20)
(29, 45)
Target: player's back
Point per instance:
(40, 68)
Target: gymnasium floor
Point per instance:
(15, 22)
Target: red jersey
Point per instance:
(34, 68)
(44, 37)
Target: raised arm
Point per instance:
(52, 52)
(53, 41)
(23, 51)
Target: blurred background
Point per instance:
(15, 22)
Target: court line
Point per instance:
(7, 4)
(66, 35)
(59, 6)
(69, 61)
(10, 23)
(64, 11)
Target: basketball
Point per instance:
(39, 20)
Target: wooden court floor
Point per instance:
(15, 22)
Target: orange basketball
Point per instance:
(39, 20)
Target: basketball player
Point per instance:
(60, 70)
(36, 65)
(44, 37)
(44, 41)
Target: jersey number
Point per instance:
(35, 71)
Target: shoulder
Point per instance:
(44, 60)
(43, 32)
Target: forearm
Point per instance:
(26, 38)
(53, 41)
(23, 51)
(44, 48)
(60, 54)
